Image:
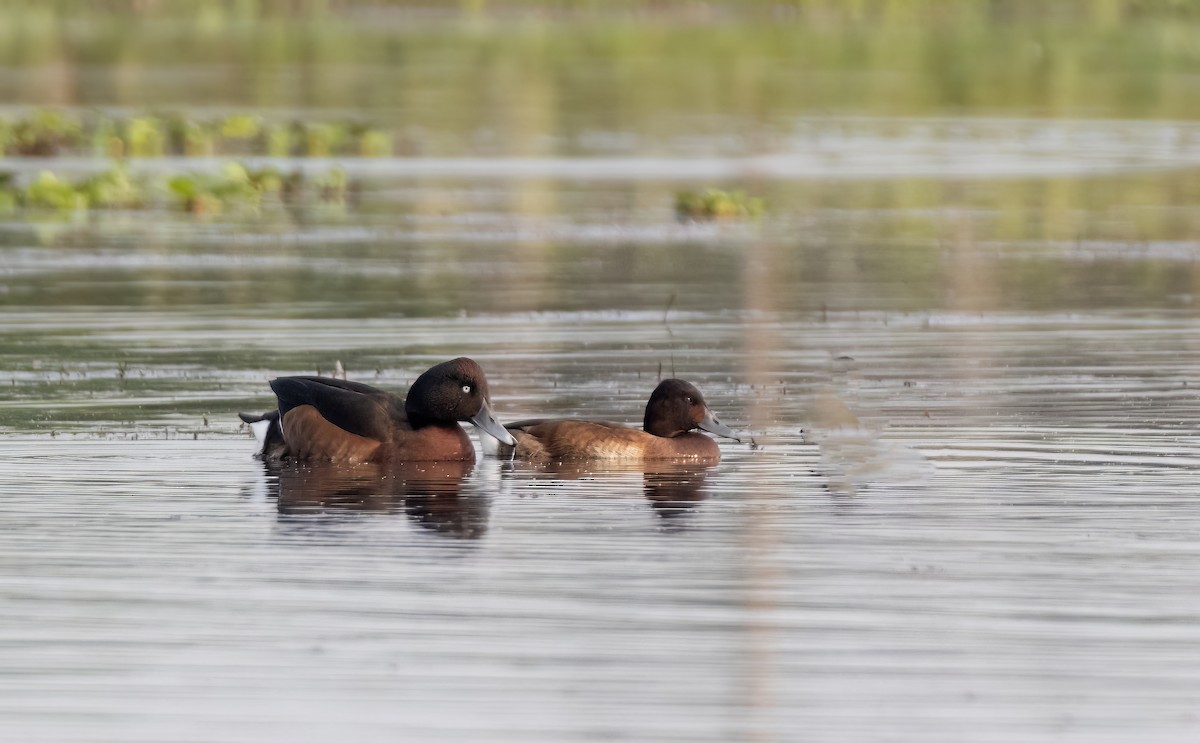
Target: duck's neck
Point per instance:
(418, 417)
(416, 421)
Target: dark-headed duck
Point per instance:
(675, 410)
(333, 420)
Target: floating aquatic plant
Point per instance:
(239, 187)
(320, 140)
(240, 126)
(202, 193)
(190, 138)
(234, 188)
(374, 143)
(144, 137)
(113, 189)
(49, 133)
(279, 141)
(44, 134)
(48, 191)
(714, 203)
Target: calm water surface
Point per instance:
(963, 339)
(969, 512)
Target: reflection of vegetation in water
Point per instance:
(234, 188)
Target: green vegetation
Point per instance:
(43, 134)
(717, 204)
(526, 78)
(241, 188)
(52, 132)
(113, 189)
(234, 189)
(296, 78)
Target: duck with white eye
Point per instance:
(333, 420)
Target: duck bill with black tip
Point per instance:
(486, 421)
(710, 423)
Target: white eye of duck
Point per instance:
(467, 388)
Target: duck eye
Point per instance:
(467, 388)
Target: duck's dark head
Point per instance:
(454, 391)
(677, 407)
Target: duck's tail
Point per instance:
(268, 433)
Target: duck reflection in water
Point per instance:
(676, 489)
(671, 488)
(429, 493)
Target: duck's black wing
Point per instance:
(352, 406)
(344, 384)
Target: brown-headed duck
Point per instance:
(333, 420)
(675, 410)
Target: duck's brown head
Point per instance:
(454, 391)
(676, 407)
